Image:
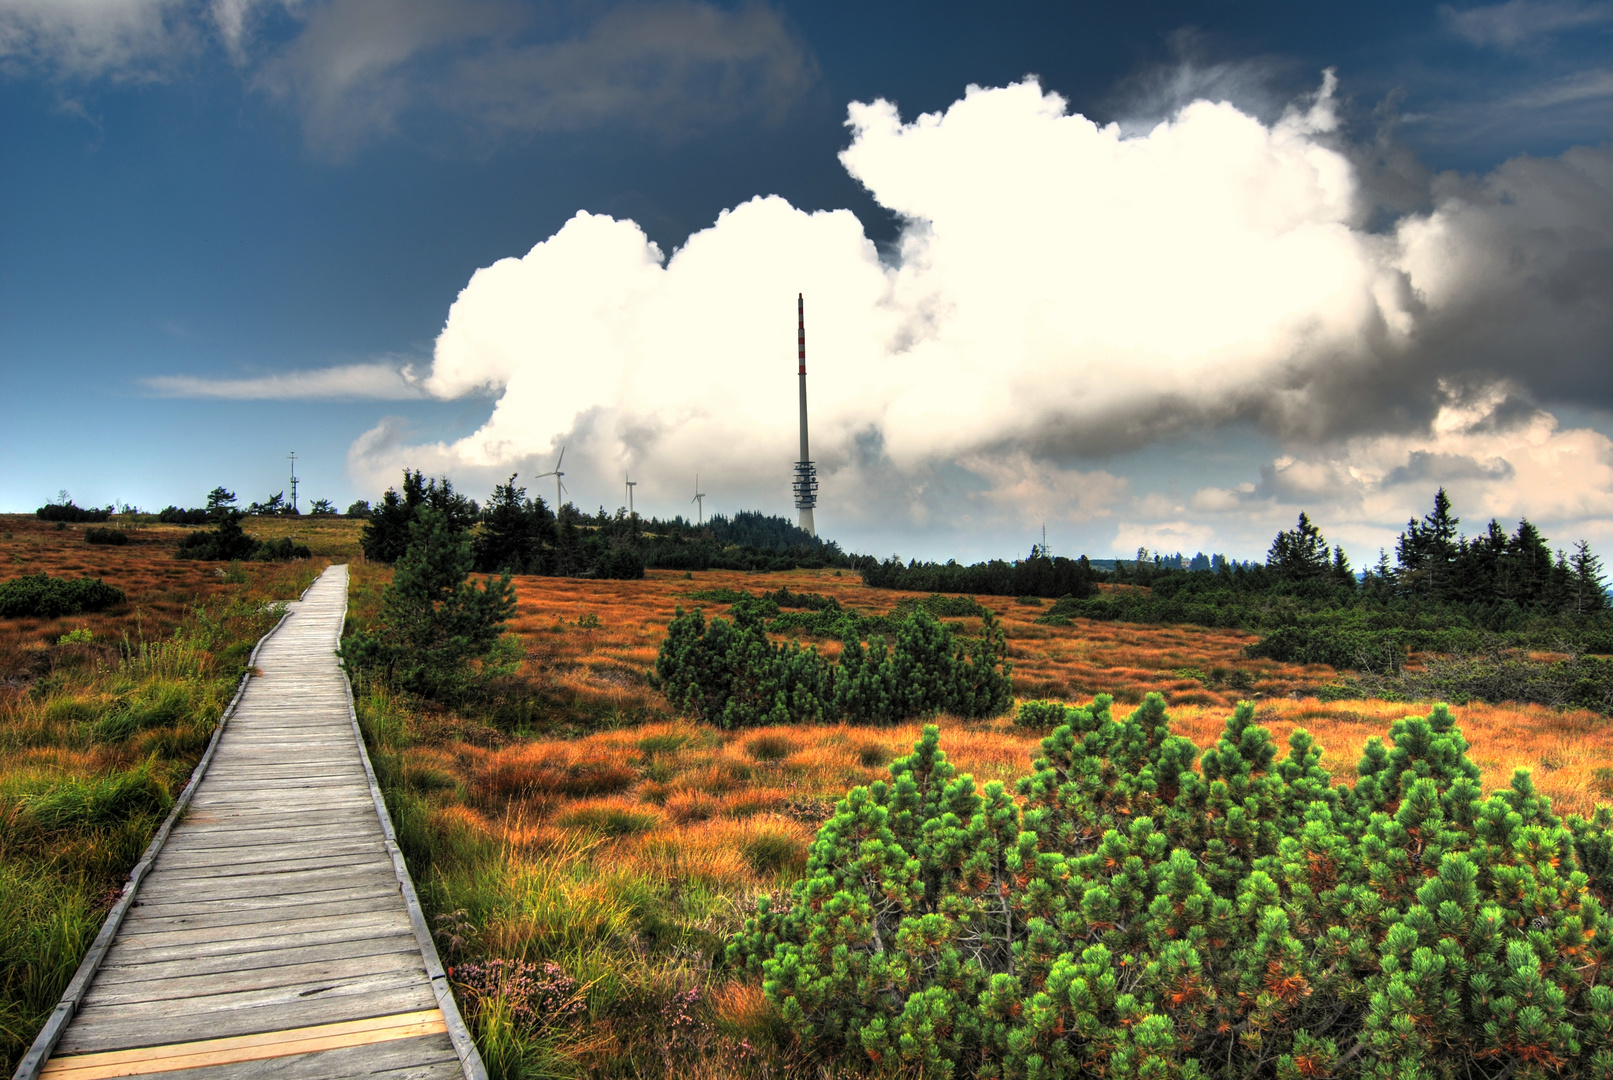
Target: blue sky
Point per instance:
(229, 225)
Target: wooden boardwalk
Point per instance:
(276, 934)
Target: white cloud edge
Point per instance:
(349, 382)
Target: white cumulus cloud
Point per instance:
(1060, 291)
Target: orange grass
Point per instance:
(1198, 670)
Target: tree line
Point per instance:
(520, 534)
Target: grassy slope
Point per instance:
(97, 737)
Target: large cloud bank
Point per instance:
(1061, 292)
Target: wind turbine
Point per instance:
(631, 484)
(699, 497)
(559, 488)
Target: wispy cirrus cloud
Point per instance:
(1521, 23)
(124, 40)
(371, 382)
(356, 71)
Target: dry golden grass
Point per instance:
(163, 591)
(1198, 670)
(602, 668)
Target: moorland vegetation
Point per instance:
(1131, 907)
(658, 835)
(114, 667)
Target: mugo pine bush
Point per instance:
(731, 674)
(1130, 917)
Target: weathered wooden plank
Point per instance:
(269, 884)
(118, 967)
(294, 811)
(291, 834)
(241, 913)
(205, 984)
(238, 866)
(112, 1028)
(206, 939)
(425, 1057)
(157, 1059)
(207, 856)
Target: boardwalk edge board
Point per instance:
(469, 1058)
(67, 1007)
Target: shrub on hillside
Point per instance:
(178, 515)
(282, 550)
(731, 674)
(1129, 916)
(114, 537)
(42, 596)
(66, 511)
(224, 543)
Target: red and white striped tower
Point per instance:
(806, 476)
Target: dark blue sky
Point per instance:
(179, 201)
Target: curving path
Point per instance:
(276, 934)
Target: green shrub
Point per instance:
(811, 601)
(282, 550)
(42, 596)
(1122, 914)
(225, 542)
(731, 674)
(943, 607)
(1041, 715)
(67, 511)
(721, 594)
(114, 537)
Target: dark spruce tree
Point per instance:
(517, 533)
(387, 535)
(1300, 554)
(434, 621)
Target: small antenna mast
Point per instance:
(293, 456)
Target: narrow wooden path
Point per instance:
(276, 934)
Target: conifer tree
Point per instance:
(1299, 553)
(1589, 592)
(434, 621)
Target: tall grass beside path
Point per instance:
(98, 734)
